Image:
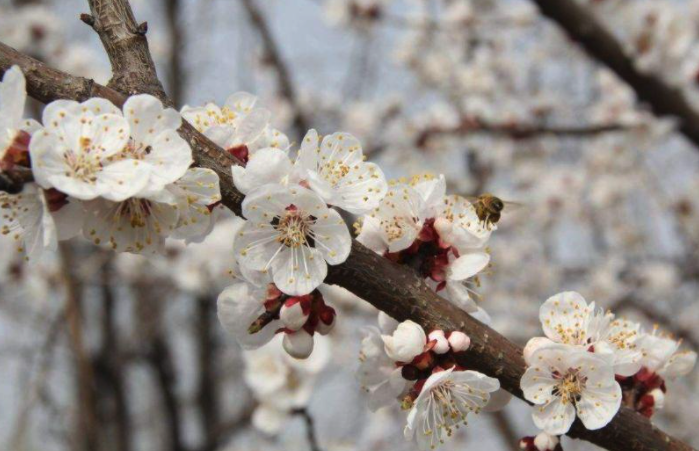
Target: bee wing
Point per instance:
(511, 205)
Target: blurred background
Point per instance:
(125, 353)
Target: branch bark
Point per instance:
(133, 69)
(583, 28)
(387, 286)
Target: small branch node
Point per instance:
(88, 19)
(142, 29)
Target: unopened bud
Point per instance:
(527, 444)
(298, 344)
(545, 442)
(326, 321)
(459, 341)
(292, 314)
(441, 345)
(658, 398)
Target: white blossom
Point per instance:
(136, 225)
(13, 96)
(566, 318)
(661, 355)
(292, 233)
(335, 169)
(377, 372)
(82, 151)
(238, 124)
(281, 383)
(444, 403)
(239, 305)
(196, 191)
(562, 380)
(25, 218)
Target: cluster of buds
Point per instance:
(419, 356)
(428, 255)
(300, 316)
(542, 442)
(644, 391)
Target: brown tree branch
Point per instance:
(582, 27)
(400, 293)
(86, 430)
(513, 130)
(176, 74)
(158, 355)
(109, 364)
(310, 429)
(127, 47)
(207, 386)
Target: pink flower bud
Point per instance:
(298, 344)
(292, 314)
(527, 444)
(326, 321)
(545, 442)
(441, 345)
(459, 341)
(658, 398)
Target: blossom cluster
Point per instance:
(440, 236)
(121, 177)
(590, 363)
(424, 372)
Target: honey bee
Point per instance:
(489, 208)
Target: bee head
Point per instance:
(497, 204)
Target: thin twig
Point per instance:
(583, 28)
(310, 428)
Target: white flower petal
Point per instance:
(238, 308)
(299, 271)
(148, 118)
(564, 318)
(332, 238)
(598, 406)
(13, 95)
(265, 166)
(554, 417)
(122, 180)
(169, 157)
(468, 265)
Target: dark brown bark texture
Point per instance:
(582, 27)
(389, 287)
